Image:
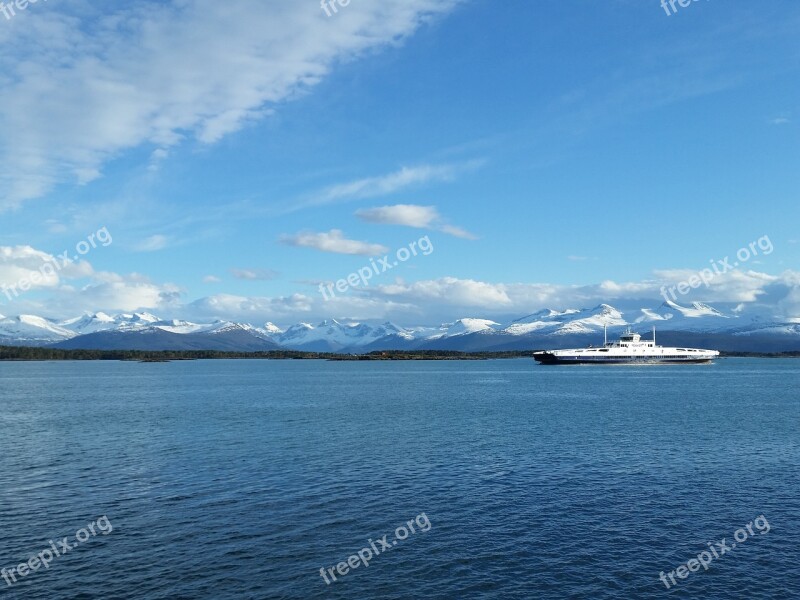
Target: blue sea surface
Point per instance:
(242, 479)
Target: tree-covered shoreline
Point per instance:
(26, 353)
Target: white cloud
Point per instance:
(456, 231)
(36, 268)
(411, 215)
(254, 274)
(158, 155)
(383, 185)
(334, 241)
(249, 309)
(450, 290)
(111, 292)
(54, 226)
(67, 289)
(575, 258)
(466, 297)
(77, 288)
(152, 244)
(92, 86)
(211, 279)
(733, 286)
(18, 263)
(430, 302)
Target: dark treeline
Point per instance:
(31, 353)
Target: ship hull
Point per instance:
(629, 350)
(547, 358)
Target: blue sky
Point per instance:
(556, 154)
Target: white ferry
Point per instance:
(630, 349)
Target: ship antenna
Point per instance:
(654, 335)
(605, 335)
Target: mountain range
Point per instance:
(699, 325)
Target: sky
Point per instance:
(200, 159)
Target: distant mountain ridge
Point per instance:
(697, 324)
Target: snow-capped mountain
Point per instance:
(31, 330)
(100, 321)
(724, 327)
(333, 336)
(271, 329)
(567, 322)
(697, 317)
(464, 326)
(90, 323)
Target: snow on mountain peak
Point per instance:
(271, 328)
(297, 331)
(30, 328)
(606, 309)
(89, 323)
(546, 314)
(33, 320)
(698, 316)
(471, 325)
(145, 317)
(706, 309)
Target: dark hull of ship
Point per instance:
(546, 358)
